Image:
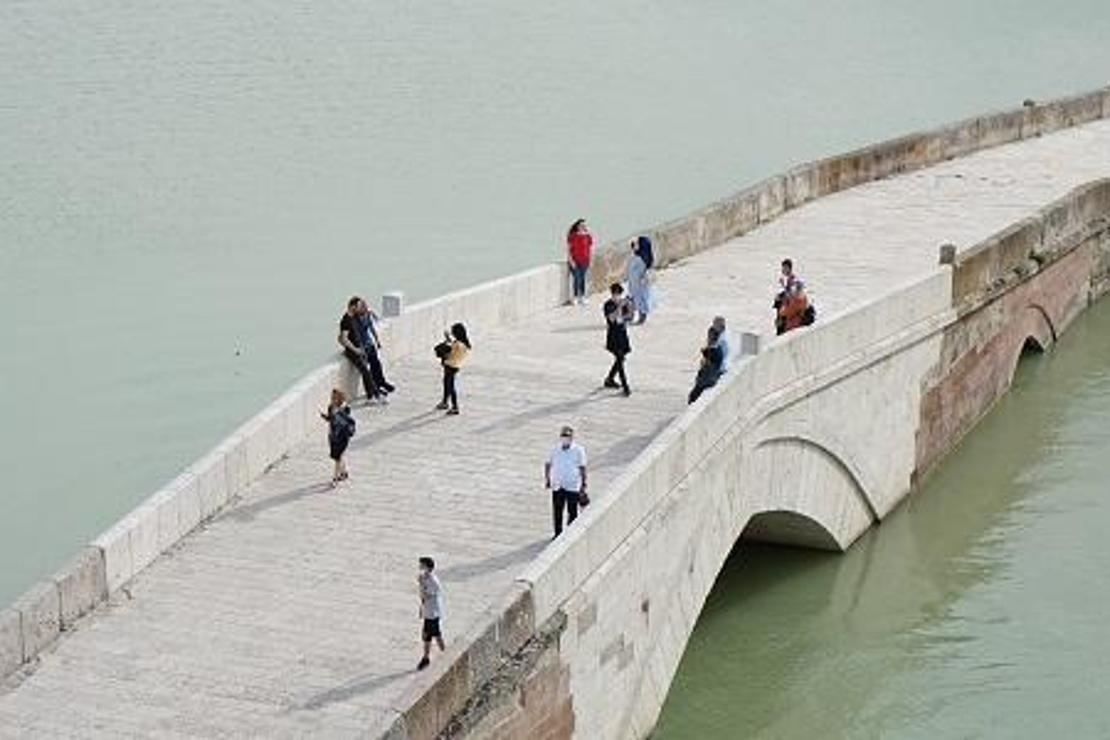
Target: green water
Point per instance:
(978, 609)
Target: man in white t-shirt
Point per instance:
(565, 474)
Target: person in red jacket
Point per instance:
(580, 243)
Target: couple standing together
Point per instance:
(580, 245)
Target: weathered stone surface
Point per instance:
(40, 617)
(82, 585)
(11, 641)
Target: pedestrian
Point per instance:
(618, 312)
(722, 342)
(350, 339)
(565, 476)
(580, 244)
(341, 427)
(452, 352)
(709, 372)
(792, 306)
(371, 345)
(639, 288)
(431, 609)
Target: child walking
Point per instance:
(341, 427)
(431, 609)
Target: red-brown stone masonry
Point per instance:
(979, 352)
(542, 707)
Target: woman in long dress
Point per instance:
(639, 289)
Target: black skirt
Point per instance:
(338, 446)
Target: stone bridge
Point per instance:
(247, 598)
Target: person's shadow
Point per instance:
(351, 689)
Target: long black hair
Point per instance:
(574, 227)
(458, 331)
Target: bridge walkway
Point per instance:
(295, 611)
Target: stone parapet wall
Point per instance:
(766, 200)
(111, 560)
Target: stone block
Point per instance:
(802, 185)
(234, 450)
(517, 622)
(145, 533)
(1001, 128)
(1082, 109)
(40, 618)
(484, 650)
(899, 155)
(11, 641)
(81, 584)
(393, 304)
(772, 198)
(115, 546)
(211, 476)
(959, 139)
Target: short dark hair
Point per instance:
(616, 288)
(788, 263)
(353, 301)
(428, 563)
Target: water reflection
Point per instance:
(974, 610)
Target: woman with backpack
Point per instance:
(639, 287)
(341, 427)
(451, 353)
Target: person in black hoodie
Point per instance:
(618, 312)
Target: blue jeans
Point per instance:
(578, 274)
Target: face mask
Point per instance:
(566, 443)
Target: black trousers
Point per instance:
(449, 394)
(364, 370)
(560, 499)
(617, 370)
(375, 364)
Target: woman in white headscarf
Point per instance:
(639, 287)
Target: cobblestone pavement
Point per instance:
(295, 611)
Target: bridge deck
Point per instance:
(295, 611)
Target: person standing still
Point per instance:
(456, 347)
(639, 286)
(341, 427)
(618, 312)
(371, 344)
(350, 339)
(580, 243)
(565, 476)
(431, 609)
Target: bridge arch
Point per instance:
(1035, 333)
(805, 495)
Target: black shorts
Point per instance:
(338, 446)
(431, 629)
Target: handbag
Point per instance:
(583, 499)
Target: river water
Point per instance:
(189, 191)
(978, 609)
